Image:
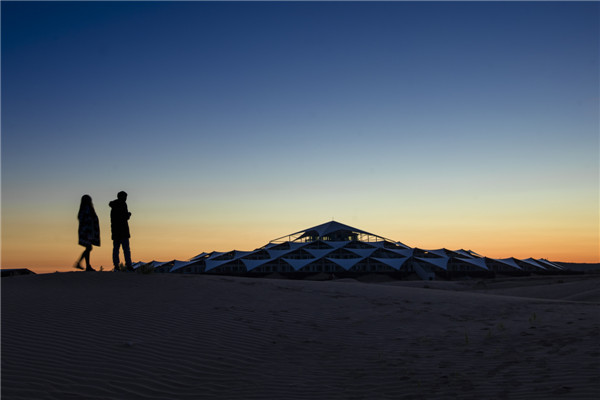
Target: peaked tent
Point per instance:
(438, 262)
(346, 263)
(478, 262)
(298, 263)
(319, 253)
(507, 261)
(395, 263)
(550, 264)
(364, 253)
(212, 264)
(532, 262)
(180, 264)
(403, 253)
(437, 252)
(279, 253)
(252, 264)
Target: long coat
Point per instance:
(119, 215)
(89, 227)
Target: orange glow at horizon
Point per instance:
(150, 243)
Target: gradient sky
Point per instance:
(457, 124)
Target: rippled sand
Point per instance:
(129, 336)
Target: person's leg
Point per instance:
(78, 263)
(86, 255)
(88, 250)
(116, 245)
(127, 253)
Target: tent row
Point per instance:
(340, 249)
(217, 262)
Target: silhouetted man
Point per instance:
(119, 215)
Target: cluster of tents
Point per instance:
(342, 250)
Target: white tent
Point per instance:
(158, 264)
(438, 262)
(395, 263)
(403, 253)
(199, 256)
(298, 263)
(180, 264)
(337, 245)
(364, 253)
(346, 263)
(252, 264)
(532, 262)
(216, 254)
(507, 261)
(463, 253)
(319, 253)
(278, 253)
(437, 252)
(478, 262)
(550, 264)
(138, 264)
(212, 264)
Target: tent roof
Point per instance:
(395, 263)
(549, 263)
(251, 264)
(319, 253)
(463, 253)
(201, 255)
(508, 261)
(438, 262)
(278, 253)
(363, 252)
(478, 262)
(158, 264)
(216, 254)
(346, 263)
(437, 252)
(298, 263)
(403, 253)
(180, 264)
(337, 245)
(212, 264)
(531, 261)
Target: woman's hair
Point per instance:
(86, 202)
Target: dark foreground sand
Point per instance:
(130, 336)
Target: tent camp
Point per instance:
(339, 249)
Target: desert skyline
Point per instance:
(440, 125)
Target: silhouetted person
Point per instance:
(89, 230)
(119, 215)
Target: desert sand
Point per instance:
(104, 335)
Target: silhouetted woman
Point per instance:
(89, 231)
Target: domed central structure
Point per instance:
(330, 232)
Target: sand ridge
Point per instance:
(131, 336)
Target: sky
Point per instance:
(453, 125)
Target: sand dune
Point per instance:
(130, 336)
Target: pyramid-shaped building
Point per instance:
(341, 250)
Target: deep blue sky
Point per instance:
(389, 116)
